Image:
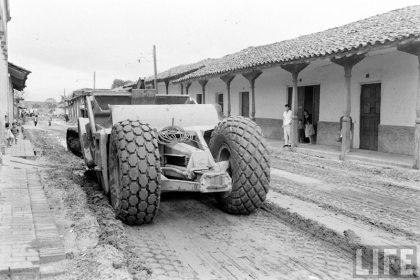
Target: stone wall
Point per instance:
(396, 139)
(327, 132)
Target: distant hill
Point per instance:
(34, 104)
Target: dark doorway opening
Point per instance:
(199, 98)
(219, 100)
(308, 99)
(244, 103)
(370, 115)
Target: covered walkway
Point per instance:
(359, 155)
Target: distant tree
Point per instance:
(51, 100)
(119, 83)
(36, 106)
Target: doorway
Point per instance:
(219, 100)
(308, 99)
(244, 104)
(199, 98)
(370, 115)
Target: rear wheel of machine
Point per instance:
(134, 172)
(240, 141)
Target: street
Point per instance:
(191, 238)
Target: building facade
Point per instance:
(4, 75)
(366, 72)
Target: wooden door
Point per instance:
(370, 109)
(245, 104)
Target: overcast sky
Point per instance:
(64, 41)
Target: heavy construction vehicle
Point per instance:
(141, 144)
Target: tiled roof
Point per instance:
(18, 75)
(179, 71)
(379, 30)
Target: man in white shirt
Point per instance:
(287, 123)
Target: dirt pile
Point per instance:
(95, 242)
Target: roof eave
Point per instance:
(261, 66)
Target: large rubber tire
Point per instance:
(241, 141)
(72, 141)
(134, 172)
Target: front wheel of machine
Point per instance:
(134, 172)
(240, 141)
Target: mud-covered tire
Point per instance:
(134, 172)
(73, 142)
(241, 141)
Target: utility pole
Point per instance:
(94, 80)
(65, 107)
(154, 62)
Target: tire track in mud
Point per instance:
(193, 239)
(378, 203)
(206, 243)
(378, 216)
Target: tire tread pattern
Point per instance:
(139, 160)
(250, 164)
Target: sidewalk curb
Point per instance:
(353, 158)
(49, 243)
(325, 233)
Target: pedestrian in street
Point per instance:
(15, 131)
(287, 122)
(50, 120)
(35, 120)
(9, 135)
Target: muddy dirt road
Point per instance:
(191, 237)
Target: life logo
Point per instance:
(386, 262)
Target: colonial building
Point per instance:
(12, 77)
(4, 75)
(366, 71)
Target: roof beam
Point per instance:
(227, 79)
(411, 47)
(203, 83)
(348, 61)
(294, 67)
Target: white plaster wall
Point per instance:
(397, 72)
(174, 88)
(215, 86)
(271, 93)
(239, 84)
(161, 88)
(194, 89)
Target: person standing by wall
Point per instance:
(287, 122)
(309, 127)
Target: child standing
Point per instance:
(301, 131)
